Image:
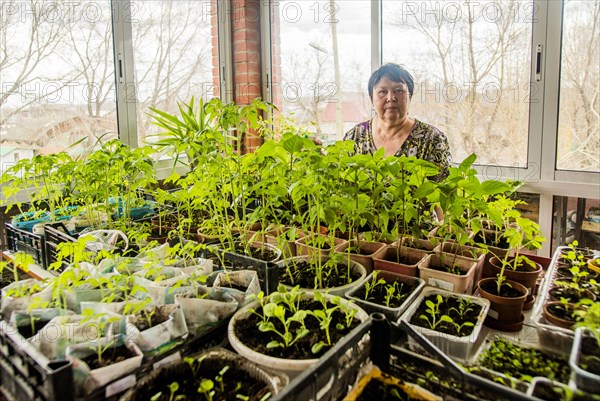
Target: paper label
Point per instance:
(443, 284)
(167, 360)
(493, 314)
(120, 386)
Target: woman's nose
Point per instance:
(391, 97)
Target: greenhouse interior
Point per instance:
(325, 200)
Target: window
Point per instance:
(57, 74)
(324, 48)
(172, 56)
(471, 66)
(578, 142)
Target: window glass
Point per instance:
(578, 145)
(576, 219)
(309, 37)
(172, 56)
(471, 66)
(57, 76)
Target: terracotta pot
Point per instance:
(386, 258)
(553, 294)
(427, 245)
(527, 278)
(367, 249)
(304, 248)
(552, 318)
(503, 309)
(462, 284)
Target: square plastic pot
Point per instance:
(462, 284)
(393, 314)
(454, 346)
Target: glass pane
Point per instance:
(471, 66)
(308, 39)
(57, 74)
(578, 146)
(172, 56)
(576, 219)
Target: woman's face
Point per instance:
(391, 100)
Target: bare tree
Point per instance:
(579, 128)
(469, 53)
(29, 36)
(91, 44)
(172, 55)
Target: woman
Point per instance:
(391, 89)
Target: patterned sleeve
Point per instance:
(441, 155)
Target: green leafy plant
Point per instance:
(433, 315)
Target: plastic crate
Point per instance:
(25, 241)
(55, 234)
(215, 336)
(390, 357)
(268, 272)
(27, 375)
(336, 372)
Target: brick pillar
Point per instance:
(246, 16)
(247, 77)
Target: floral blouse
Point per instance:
(424, 142)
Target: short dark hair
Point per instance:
(393, 72)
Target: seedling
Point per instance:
(433, 310)
(101, 322)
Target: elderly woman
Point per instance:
(391, 89)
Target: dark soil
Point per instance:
(560, 312)
(233, 286)
(235, 382)
(505, 290)
(260, 253)
(397, 257)
(247, 329)
(378, 294)
(448, 269)
(378, 390)
(304, 275)
(358, 251)
(110, 356)
(155, 320)
(589, 359)
(450, 306)
(490, 240)
(26, 330)
(572, 295)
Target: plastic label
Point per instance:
(493, 314)
(120, 385)
(167, 360)
(444, 285)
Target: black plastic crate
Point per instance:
(390, 357)
(25, 241)
(215, 336)
(55, 234)
(27, 375)
(335, 373)
(268, 273)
